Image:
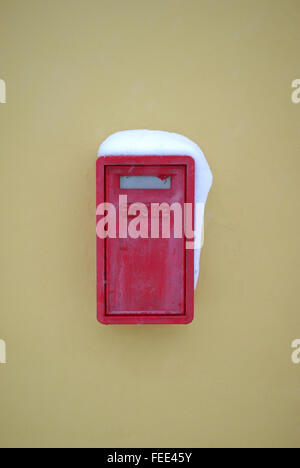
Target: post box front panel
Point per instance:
(145, 275)
(145, 280)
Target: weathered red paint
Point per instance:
(145, 281)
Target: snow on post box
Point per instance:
(152, 188)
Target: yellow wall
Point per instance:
(219, 72)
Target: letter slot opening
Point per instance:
(145, 182)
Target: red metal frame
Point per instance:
(188, 315)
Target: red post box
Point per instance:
(145, 273)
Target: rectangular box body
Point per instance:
(146, 278)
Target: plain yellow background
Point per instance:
(219, 72)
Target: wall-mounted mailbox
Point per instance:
(145, 273)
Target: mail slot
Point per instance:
(145, 273)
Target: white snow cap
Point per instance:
(155, 142)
